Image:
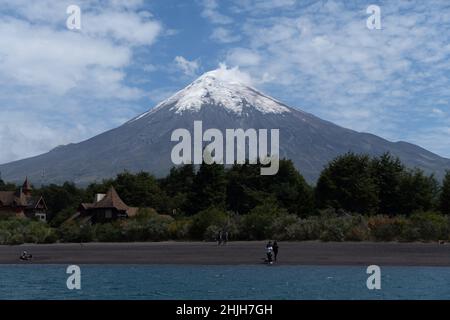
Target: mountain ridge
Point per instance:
(220, 99)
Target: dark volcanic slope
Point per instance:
(144, 143)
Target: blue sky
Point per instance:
(59, 86)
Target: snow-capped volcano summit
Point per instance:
(227, 88)
(221, 99)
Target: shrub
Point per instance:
(108, 232)
(18, 231)
(202, 220)
(148, 227)
(383, 228)
(259, 223)
(334, 229)
(211, 233)
(358, 233)
(61, 217)
(16, 239)
(357, 229)
(281, 226)
(145, 214)
(430, 226)
(179, 229)
(75, 232)
(158, 227)
(4, 236)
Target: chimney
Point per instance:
(99, 197)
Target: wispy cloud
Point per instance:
(243, 57)
(224, 35)
(321, 55)
(222, 31)
(189, 68)
(46, 69)
(212, 13)
(59, 86)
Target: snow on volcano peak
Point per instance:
(228, 88)
(218, 87)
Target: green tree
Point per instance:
(245, 188)
(178, 185)
(66, 197)
(346, 183)
(259, 223)
(7, 186)
(179, 180)
(418, 192)
(387, 173)
(206, 218)
(209, 188)
(140, 190)
(290, 189)
(444, 198)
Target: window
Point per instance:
(41, 216)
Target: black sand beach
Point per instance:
(233, 253)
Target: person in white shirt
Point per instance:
(269, 252)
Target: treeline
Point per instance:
(352, 183)
(356, 198)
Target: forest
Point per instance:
(356, 198)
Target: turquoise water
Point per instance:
(222, 282)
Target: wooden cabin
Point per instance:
(105, 208)
(21, 203)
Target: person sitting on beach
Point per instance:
(275, 250)
(269, 250)
(25, 256)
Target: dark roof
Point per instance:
(34, 201)
(14, 198)
(86, 206)
(7, 197)
(111, 200)
(26, 185)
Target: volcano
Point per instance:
(220, 100)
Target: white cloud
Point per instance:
(233, 74)
(189, 68)
(210, 11)
(220, 33)
(243, 57)
(58, 61)
(256, 6)
(438, 112)
(224, 35)
(47, 56)
(122, 26)
(149, 68)
(23, 136)
(49, 74)
(322, 57)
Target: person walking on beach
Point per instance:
(269, 251)
(275, 250)
(219, 238)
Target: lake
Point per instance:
(108, 282)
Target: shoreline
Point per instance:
(233, 253)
